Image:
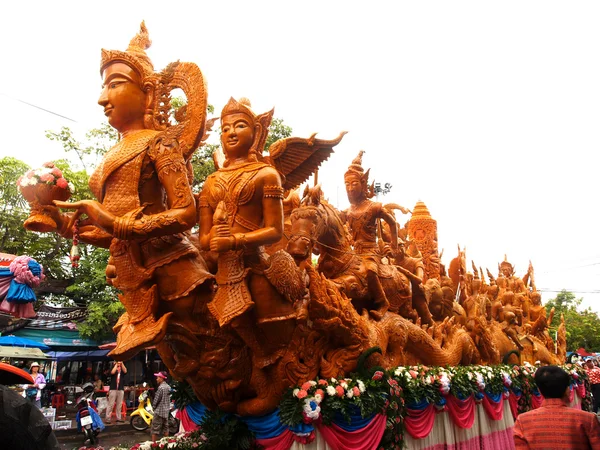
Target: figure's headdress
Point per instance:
(135, 55)
(506, 264)
(260, 123)
(356, 168)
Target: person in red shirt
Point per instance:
(554, 425)
(593, 373)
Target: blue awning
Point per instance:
(92, 355)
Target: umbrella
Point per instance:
(22, 353)
(13, 375)
(17, 341)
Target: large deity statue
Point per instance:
(243, 332)
(362, 218)
(145, 207)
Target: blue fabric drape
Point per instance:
(265, 427)
(421, 405)
(356, 421)
(17, 292)
(196, 412)
(494, 397)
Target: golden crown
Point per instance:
(135, 55)
(356, 166)
(242, 106)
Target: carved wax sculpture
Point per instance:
(257, 323)
(145, 208)
(241, 211)
(362, 219)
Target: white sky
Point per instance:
(486, 111)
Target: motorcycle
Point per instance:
(142, 417)
(88, 420)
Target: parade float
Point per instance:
(375, 345)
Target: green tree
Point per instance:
(582, 325)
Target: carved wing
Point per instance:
(297, 158)
(191, 118)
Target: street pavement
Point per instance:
(121, 434)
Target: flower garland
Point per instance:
(390, 392)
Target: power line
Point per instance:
(571, 268)
(37, 107)
(596, 291)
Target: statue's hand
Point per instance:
(221, 244)
(93, 209)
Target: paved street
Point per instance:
(111, 436)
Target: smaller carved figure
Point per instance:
(414, 269)
(509, 327)
(362, 219)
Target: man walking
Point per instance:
(555, 425)
(161, 406)
(117, 391)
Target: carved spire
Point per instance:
(135, 56)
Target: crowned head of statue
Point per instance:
(356, 181)
(243, 133)
(506, 268)
(536, 298)
(128, 85)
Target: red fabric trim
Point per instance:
(494, 410)
(419, 422)
(462, 412)
(187, 423)
(536, 401)
(513, 401)
(366, 438)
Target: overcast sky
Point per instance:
(486, 111)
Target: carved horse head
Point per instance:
(316, 227)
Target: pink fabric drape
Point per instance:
(282, 442)
(536, 401)
(462, 412)
(493, 409)
(366, 438)
(186, 422)
(21, 310)
(419, 422)
(513, 401)
(4, 285)
(580, 388)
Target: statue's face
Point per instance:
(237, 135)
(354, 188)
(506, 270)
(123, 99)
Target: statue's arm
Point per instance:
(181, 213)
(206, 216)
(272, 204)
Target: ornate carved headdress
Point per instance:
(135, 55)
(260, 123)
(356, 168)
(506, 264)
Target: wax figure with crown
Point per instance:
(362, 218)
(241, 211)
(145, 207)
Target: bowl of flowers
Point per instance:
(40, 187)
